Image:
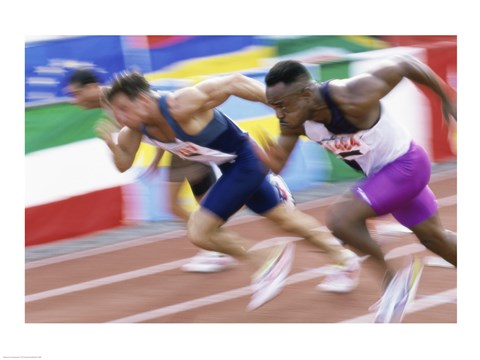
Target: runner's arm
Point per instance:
(211, 93)
(371, 87)
(126, 147)
(276, 154)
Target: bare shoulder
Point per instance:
(186, 102)
(342, 91)
(338, 89)
(354, 89)
(358, 99)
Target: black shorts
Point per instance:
(200, 176)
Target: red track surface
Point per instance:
(96, 288)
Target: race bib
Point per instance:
(346, 146)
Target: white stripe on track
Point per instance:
(447, 201)
(224, 296)
(105, 249)
(450, 200)
(106, 280)
(425, 302)
(212, 299)
(220, 297)
(155, 269)
(396, 252)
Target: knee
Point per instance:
(344, 217)
(434, 238)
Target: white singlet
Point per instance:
(371, 149)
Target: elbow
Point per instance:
(122, 167)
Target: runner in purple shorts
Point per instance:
(347, 117)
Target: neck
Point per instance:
(320, 111)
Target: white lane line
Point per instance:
(106, 280)
(234, 221)
(185, 306)
(105, 249)
(437, 261)
(396, 252)
(229, 295)
(137, 273)
(214, 299)
(426, 302)
(446, 297)
(447, 201)
(404, 250)
(140, 273)
(193, 304)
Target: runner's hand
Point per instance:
(270, 153)
(105, 129)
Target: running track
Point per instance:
(141, 281)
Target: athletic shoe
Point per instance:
(342, 278)
(209, 261)
(270, 280)
(399, 294)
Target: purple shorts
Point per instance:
(401, 188)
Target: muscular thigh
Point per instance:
(397, 184)
(350, 208)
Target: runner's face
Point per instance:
(128, 112)
(86, 96)
(289, 103)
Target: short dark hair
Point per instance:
(288, 72)
(130, 83)
(83, 77)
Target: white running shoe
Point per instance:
(270, 280)
(209, 261)
(342, 278)
(399, 293)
